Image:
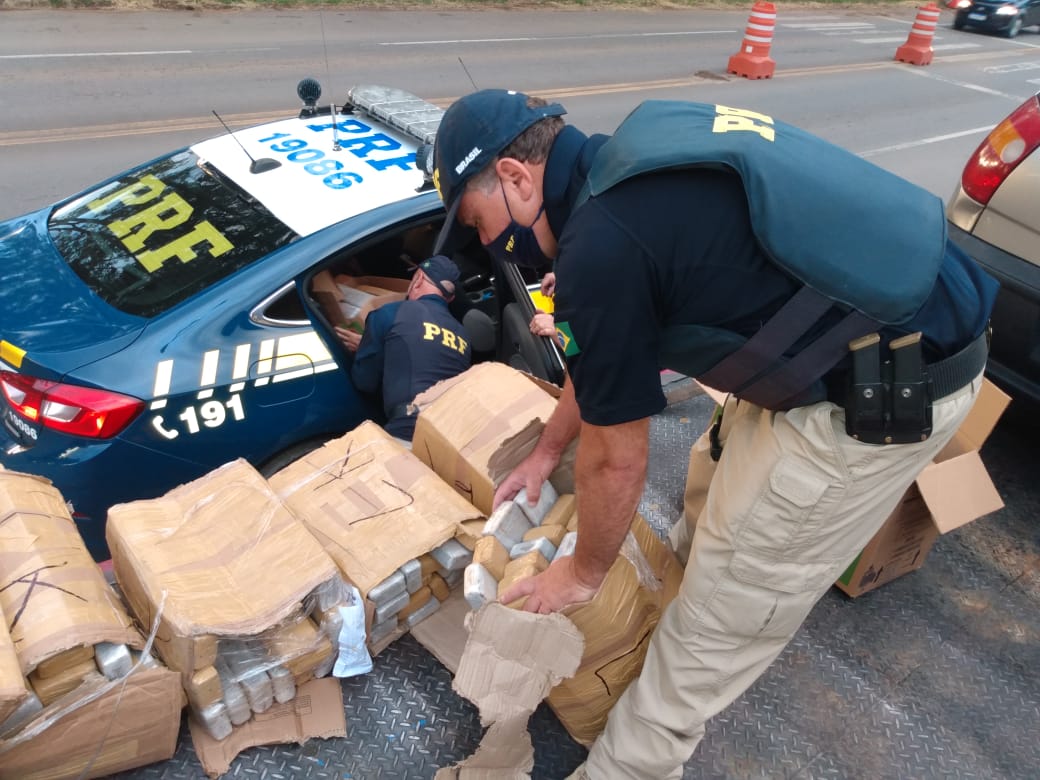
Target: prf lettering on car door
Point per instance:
(159, 212)
(728, 120)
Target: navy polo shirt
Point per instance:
(407, 347)
(676, 247)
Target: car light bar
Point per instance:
(399, 109)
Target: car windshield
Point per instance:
(161, 233)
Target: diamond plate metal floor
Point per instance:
(930, 676)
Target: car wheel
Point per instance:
(1014, 28)
(290, 455)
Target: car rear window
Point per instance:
(163, 232)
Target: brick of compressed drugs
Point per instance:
(546, 499)
(530, 560)
(412, 571)
(508, 524)
(214, 718)
(203, 688)
(416, 602)
(566, 547)
(453, 578)
(541, 544)
(492, 554)
(428, 564)
(452, 555)
(234, 697)
(22, 714)
(479, 586)
(113, 660)
(69, 679)
(382, 630)
(561, 511)
(259, 691)
(391, 607)
(63, 661)
(282, 683)
(427, 609)
(572, 523)
(388, 590)
(187, 653)
(554, 533)
(439, 587)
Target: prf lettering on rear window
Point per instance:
(729, 119)
(156, 212)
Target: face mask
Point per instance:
(517, 244)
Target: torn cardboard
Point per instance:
(13, 691)
(511, 660)
(105, 727)
(372, 504)
(52, 593)
(465, 420)
(950, 492)
(315, 713)
(347, 300)
(222, 554)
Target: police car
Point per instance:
(167, 321)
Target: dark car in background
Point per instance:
(994, 215)
(1006, 17)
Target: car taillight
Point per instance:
(1005, 147)
(80, 411)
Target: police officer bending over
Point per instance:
(410, 345)
(817, 289)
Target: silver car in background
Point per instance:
(994, 215)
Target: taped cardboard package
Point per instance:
(347, 301)
(464, 421)
(376, 509)
(240, 586)
(72, 636)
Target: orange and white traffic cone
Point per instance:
(918, 47)
(752, 61)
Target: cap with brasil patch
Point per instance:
(565, 339)
(473, 132)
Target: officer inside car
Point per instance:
(410, 345)
(816, 289)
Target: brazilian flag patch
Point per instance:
(565, 339)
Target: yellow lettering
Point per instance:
(184, 248)
(168, 213)
(732, 119)
(448, 339)
(145, 189)
(431, 331)
(462, 346)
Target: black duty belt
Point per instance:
(951, 374)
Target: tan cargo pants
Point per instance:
(781, 515)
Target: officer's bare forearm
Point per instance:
(610, 473)
(562, 426)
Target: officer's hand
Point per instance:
(549, 285)
(542, 324)
(530, 473)
(349, 338)
(552, 590)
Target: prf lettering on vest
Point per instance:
(730, 119)
(448, 339)
(156, 215)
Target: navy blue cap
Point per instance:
(474, 130)
(439, 269)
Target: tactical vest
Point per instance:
(856, 236)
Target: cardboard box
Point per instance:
(374, 507)
(952, 491)
(372, 504)
(53, 594)
(464, 421)
(347, 300)
(110, 727)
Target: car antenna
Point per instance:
(256, 166)
(471, 81)
(328, 74)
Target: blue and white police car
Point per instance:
(166, 321)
